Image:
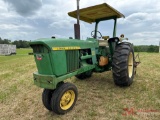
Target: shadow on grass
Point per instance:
(97, 92)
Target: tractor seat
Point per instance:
(105, 37)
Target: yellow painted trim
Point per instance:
(130, 65)
(67, 99)
(66, 48)
(93, 52)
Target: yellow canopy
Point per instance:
(97, 13)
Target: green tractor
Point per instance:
(60, 59)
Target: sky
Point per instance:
(33, 19)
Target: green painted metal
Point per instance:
(73, 61)
(51, 81)
(44, 81)
(59, 62)
(115, 27)
(110, 18)
(113, 42)
(49, 43)
(94, 59)
(59, 59)
(111, 48)
(42, 59)
(55, 65)
(86, 57)
(96, 29)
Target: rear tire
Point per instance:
(84, 75)
(46, 98)
(64, 98)
(123, 64)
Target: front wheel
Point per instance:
(64, 98)
(123, 64)
(46, 98)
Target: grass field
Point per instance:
(99, 98)
(23, 51)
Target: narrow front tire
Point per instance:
(46, 98)
(64, 98)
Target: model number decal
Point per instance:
(66, 48)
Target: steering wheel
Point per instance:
(93, 33)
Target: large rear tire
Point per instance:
(123, 64)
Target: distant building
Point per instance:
(7, 49)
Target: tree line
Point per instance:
(18, 43)
(146, 48)
(25, 44)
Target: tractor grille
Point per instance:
(39, 49)
(72, 57)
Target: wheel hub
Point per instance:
(130, 65)
(67, 99)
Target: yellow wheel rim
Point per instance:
(130, 64)
(67, 99)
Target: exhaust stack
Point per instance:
(77, 26)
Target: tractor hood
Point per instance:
(66, 44)
(97, 13)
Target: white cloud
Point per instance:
(24, 7)
(138, 17)
(155, 26)
(15, 27)
(19, 35)
(28, 19)
(147, 34)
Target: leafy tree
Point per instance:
(18, 43)
(145, 48)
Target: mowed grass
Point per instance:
(99, 98)
(23, 51)
(20, 53)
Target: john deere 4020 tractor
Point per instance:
(59, 59)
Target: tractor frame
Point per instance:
(59, 59)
